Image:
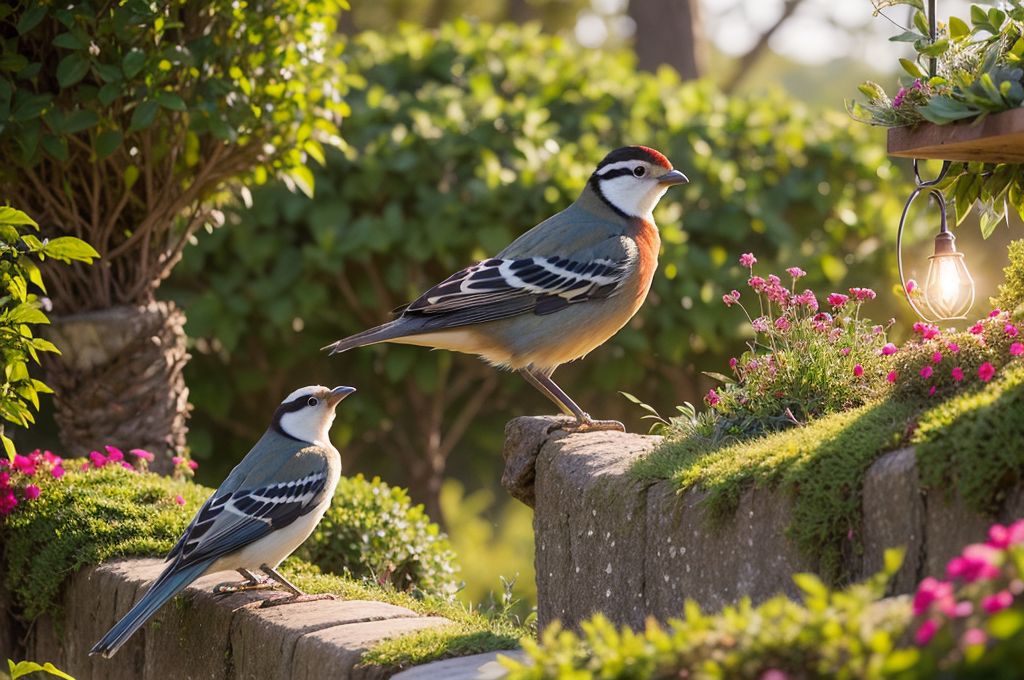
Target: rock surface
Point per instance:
(608, 543)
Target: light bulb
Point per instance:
(949, 289)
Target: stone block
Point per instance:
(524, 438)
(948, 527)
(893, 511)
(476, 667)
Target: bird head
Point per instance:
(308, 413)
(632, 179)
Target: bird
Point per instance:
(267, 506)
(555, 293)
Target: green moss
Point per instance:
(972, 442)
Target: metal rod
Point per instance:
(932, 69)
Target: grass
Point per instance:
(967, 443)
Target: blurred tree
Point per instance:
(462, 139)
(386, 15)
(760, 47)
(118, 123)
(669, 32)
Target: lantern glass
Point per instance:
(949, 289)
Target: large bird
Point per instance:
(558, 291)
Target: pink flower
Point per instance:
(974, 636)
(114, 454)
(994, 313)
(731, 298)
(179, 499)
(891, 377)
(976, 329)
(862, 294)
(98, 459)
(31, 492)
(927, 330)
(748, 260)
(937, 357)
(756, 282)
(858, 370)
(774, 280)
(712, 398)
(7, 502)
(926, 632)
(976, 563)
(845, 351)
(5, 477)
(911, 286)
(1003, 537)
(177, 460)
(897, 101)
(24, 464)
(877, 330)
(796, 272)
(931, 390)
(146, 455)
(953, 347)
(760, 325)
(998, 602)
(774, 674)
(986, 371)
(126, 465)
(926, 372)
(50, 458)
(1011, 330)
(807, 299)
(782, 323)
(733, 363)
(958, 373)
(889, 348)
(57, 471)
(837, 300)
(84, 467)
(1016, 349)
(193, 464)
(931, 590)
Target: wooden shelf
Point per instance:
(997, 139)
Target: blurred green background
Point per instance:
(472, 121)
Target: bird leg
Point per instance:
(296, 594)
(251, 582)
(584, 423)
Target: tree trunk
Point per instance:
(669, 32)
(119, 380)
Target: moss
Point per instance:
(971, 442)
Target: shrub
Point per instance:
(372, 531)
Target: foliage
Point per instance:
(979, 70)
(371, 531)
(463, 139)
(17, 670)
(830, 634)
(21, 307)
(116, 119)
(1011, 293)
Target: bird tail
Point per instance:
(169, 584)
(389, 331)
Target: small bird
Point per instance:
(558, 291)
(267, 506)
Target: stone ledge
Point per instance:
(199, 635)
(607, 543)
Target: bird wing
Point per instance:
(502, 287)
(231, 519)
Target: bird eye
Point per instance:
(639, 171)
(312, 401)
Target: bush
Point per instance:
(371, 531)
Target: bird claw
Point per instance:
(588, 425)
(232, 587)
(293, 599)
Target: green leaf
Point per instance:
(9, 215)
(71, 69)
(934, 49)
(30, 18)
(11, 453)
(911, 68)
(303, 179)
(978, 15)
(79, 120)
(133, 63)
(131, 175)
(27, 667)
(30, 106)
(55, 146)
(172, 101)
(958, 28)
(108, 93)
(109, 73)
(107, 143)
(69, 248)
(70, 41)
(144, 115)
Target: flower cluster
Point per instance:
(114, 456)
(955, 616)
(800, 346)
(18, 477)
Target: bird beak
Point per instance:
(337, 394)
(672, 177)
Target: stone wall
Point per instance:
(607, 543)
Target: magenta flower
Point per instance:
(7, 502)
(994, 313)
(837, 300)
(974, 636)
(84, 467)
(975, 563)
(927, 330)
(807, 299)
(931, 390)
(998, 602)
(193, 464)
(760, 325)
(931, 590)
(986, 371)
(845, 351)
(147, 456)
(958, 373)
(889, 348)
(891, 377)
(1011, 330)
(926, 372)
(911, 286)
(862, 294)
(31, 492)
(937, 357)
(858, 370)
(976, 329)
(712, 398)
(98, 459)
(57, 471)
(731, 298)
(24, 464)
(178, 460)
(897, 101)
(999, 536)
(748, 260)
(796, 272)
(782, 323)
(733, 363)
(926, 632)
(179, 499)
(953, 347)
(50, 458)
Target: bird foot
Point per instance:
(293, 599)
(240, 586)
(588, 424)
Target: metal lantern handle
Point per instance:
(929, 188)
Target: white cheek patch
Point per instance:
(309, 424)
(633, 196)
